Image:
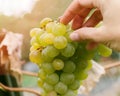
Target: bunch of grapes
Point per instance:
(63, 64)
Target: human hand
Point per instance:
(108, 10)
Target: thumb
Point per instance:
(89, 33)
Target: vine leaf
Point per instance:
(10, 52)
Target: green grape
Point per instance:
(52, 93)
(67, 35)
(69, 67)
(70, 93)
(81, 65)
(35, 57)
(46, 58)
(59, 29)
(40, 82)
(60, 56)
(75, 85)
(75, 44)
(89, 65)
(104, 50)
(68, 51)
(34, 31)
(47, 67)
(42, 74)
(47, 87)
(49, 27)
(52, 79)
(60, 42)
(58, 64)
(61, 88)
(44, 55)
(35, 46)
(85, 54)
(44, 22)
(38, 34)
(67, 78)
(81, 75)
(50, 51)
(33, 40)
(46, 39)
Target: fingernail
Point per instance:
(74, 36)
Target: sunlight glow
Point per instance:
(16, 7)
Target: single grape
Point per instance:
(70, 93)
(58, 64)
(89, 65)
(40, 82)
(61, 88)
(47, 67)
(104, 50)
(67, 78)
(42, 74)
(81, 65)
(52, 93)
(67, 35)
(47, 87)
(44, 22)
(68, 51)
(50, 51)
(33, 41)
(35, 57)
(75, 44)
(46, 39)
(46, 58)
(35, 46)
(60, 42)
(75, 85)
(85, 54)
(52, 79)
(59, 29)
(69, 67)
(81, 75)
(49, 27)
(35, 31)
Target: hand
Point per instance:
(106, 10)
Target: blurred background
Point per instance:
(20, 16)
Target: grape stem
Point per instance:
(20, 89)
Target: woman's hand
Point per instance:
(106, 10)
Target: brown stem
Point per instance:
(112, 65)
(30, 73)
(107, 67)
(20, 89)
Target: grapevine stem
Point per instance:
(30, 73)
(107, 67)
(112, 65)
(20, 89)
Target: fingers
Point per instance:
(79, 19)
(94, 19)
(91, 22)
(71, 11)
(74, 8)
(89, 33)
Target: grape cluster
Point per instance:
(63, 64)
